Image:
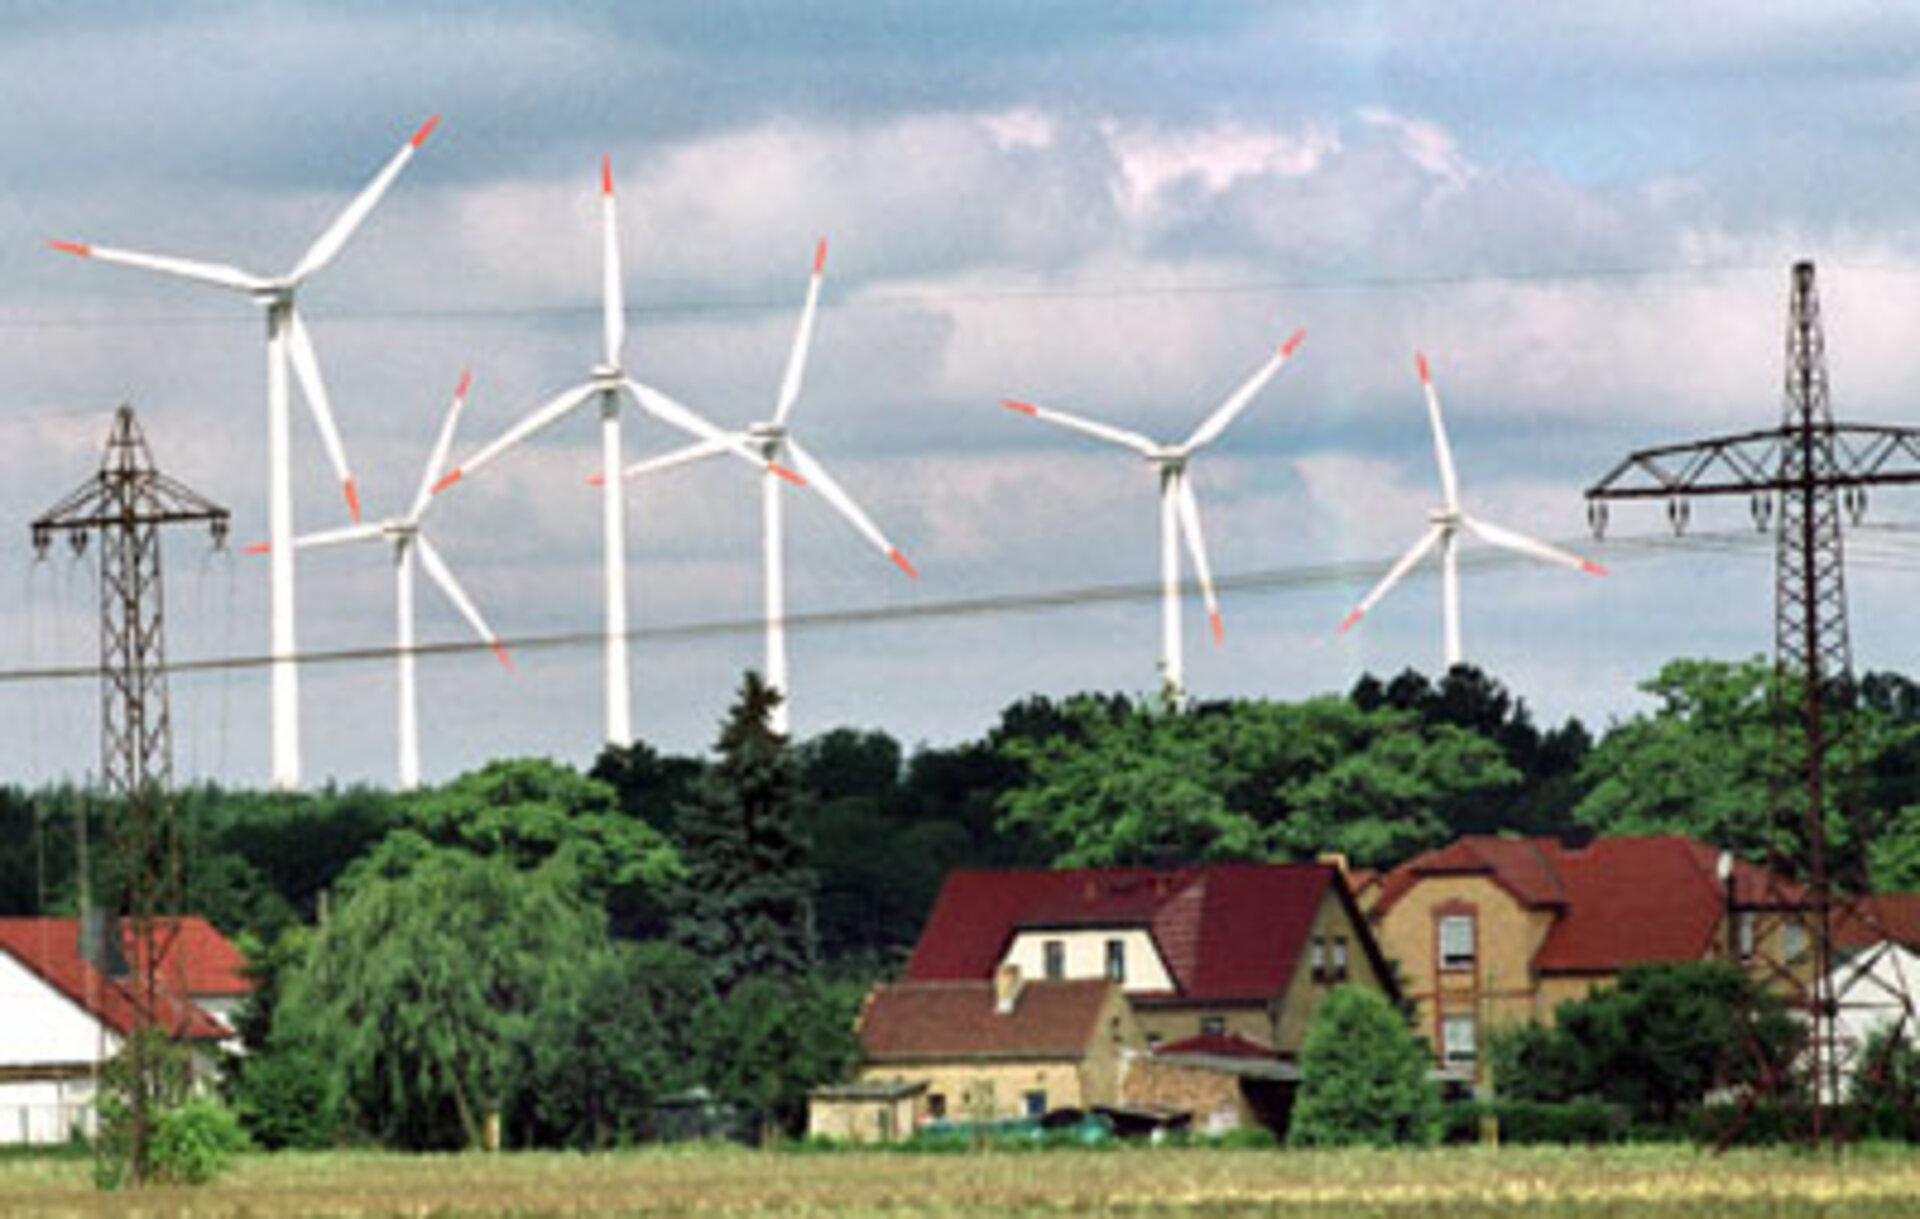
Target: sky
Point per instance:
(1584, 218)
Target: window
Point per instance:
(1213, 1026)
(1458, 1046)
(1337, 967)
(1319, 958)
(1055, 952)
(1117, 960)
(1794, 942)
(1036, 1102)
(1456, 941)
(937, 1106)
(1743, 934)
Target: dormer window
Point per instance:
(1054, 956)
(1117, 961)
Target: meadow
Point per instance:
(1613, 1182)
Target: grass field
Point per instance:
(1617, 1182)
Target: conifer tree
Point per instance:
(746, 907)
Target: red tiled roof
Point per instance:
(1878, 917)
(914, 1021)
(50, 947)
(1216, 1045)
(1226, 931)
(1617, 901)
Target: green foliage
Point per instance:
(423, 990)
(195, 1142)
(286, 1096)
(768, 1042)
(151, 1075)
(1526, 1122)
(1655, 1044)
(1363, 1077)
(746, 907)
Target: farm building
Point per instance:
(61, 1015)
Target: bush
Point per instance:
(1363, 1077)
(1529, 1122)
(195, 1143)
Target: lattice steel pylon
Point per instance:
(125, 504)
(1811, 471)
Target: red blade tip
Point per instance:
(426, 129)
(596, 480)
(353, 499)
(787, 474)
(1421, 359)
(1219, 631)
(1347, 623)
(500, 650)
(1299, 337)
(820, 257)
(1022, 407)
(606, 176)
(259, 548)
(447, 480)
(73, 247)
(466, 383)
(901, 561)
(1592, 568)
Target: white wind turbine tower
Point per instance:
(775, 442)
(288, 344)
(1445, 523)
(409, 543)
(1179, 512)
(609, 384)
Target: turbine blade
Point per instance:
(802, 340)
(329, 243)
(218, 274)
(1418, 551)
(440, 574)
(437, 460)
(665, 409)
(1112, 435)
(1442, 451)
(613, 291)
(337, 537)
(699, 450)
(830, 490)
(1229, 410)
(1187, 508)
(544, 415)
(1507, 539)
(306, 369)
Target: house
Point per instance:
(981, 1051)
(1489, 931)
(1239, 948)
(61, 1016)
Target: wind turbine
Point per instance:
(1444, 524)
(609, 384)
(408, 542)
(1179, 512)
(774, 441)
(288, 344)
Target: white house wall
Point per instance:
(39, 1026)
(1086, 956)
(42, 1112)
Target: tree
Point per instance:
(1363, 1077)
(424, 988)
(746, 907)
(771, 1041)
(1126, 785)
(651, 786)
(529, 812)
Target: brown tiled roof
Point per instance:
(1876, 917)
(1216, 1045)
(917, 1021)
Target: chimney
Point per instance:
(1006, 988)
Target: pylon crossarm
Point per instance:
(1750, 463)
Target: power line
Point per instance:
(1888, 553)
